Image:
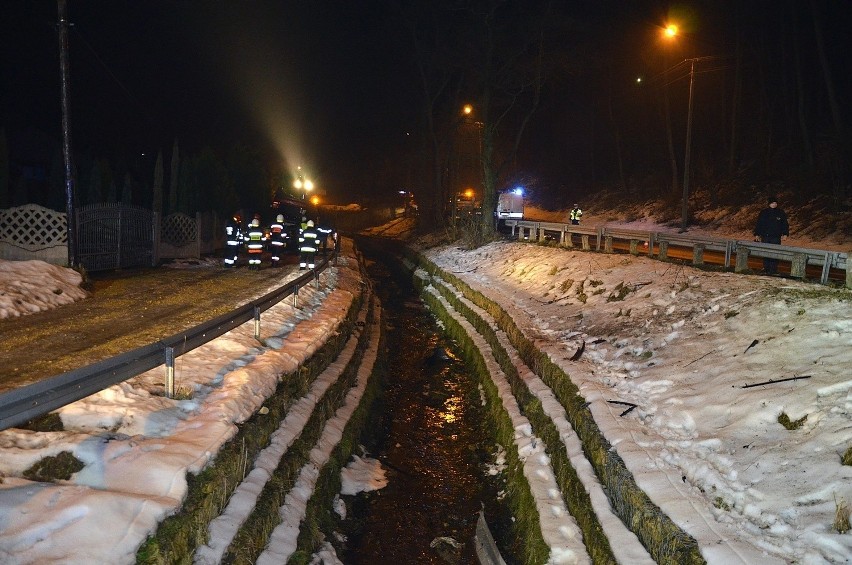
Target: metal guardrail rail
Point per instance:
(23, 404)
(659, 242)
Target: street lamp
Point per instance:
(670, 32)
(302, 184)
(684, 212)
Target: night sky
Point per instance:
(331, 85)
(319, 82)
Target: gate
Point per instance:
(115, 236)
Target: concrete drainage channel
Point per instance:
(429, 434)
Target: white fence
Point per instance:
(34, 232)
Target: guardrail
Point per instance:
(659, 243)
(31, 401)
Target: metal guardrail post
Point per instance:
(256, 323)
(316, 279)
(608, 244)
(170, 372)
(664, 250)
(295, 293)
(849, 269)
(797, 265)
(698, 254)
(742, 259)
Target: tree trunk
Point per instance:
(800, 95)
(672, 158)
(735, 104)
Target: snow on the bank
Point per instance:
(283, 540)
(34, 286)
(708, 451)
(137, 446)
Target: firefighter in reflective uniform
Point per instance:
(276, 239)
(323, 233)
(254, 243)
(233, 240)
(307, 246)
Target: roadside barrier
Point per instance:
(23, 404)
(738, 251)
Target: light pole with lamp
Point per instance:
(302, 184)
(684, 212)
(671, 31)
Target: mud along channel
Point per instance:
(428, 435)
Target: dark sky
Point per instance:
(330, 84)
(317, 81)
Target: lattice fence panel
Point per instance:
(33, 227)
(179, 229)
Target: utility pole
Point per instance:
(684, 216)
(71, 218)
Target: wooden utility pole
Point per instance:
(64, 24)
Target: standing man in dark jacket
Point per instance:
(771, 227)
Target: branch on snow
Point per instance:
(772, 382)
(630, 404)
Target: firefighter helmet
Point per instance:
(310, 223)
(279, 218)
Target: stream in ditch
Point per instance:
(428, 435)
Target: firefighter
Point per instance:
(254, 243)
(576, 214)
(276, 239)
(323, 233)
(307, 246)
(233, 240)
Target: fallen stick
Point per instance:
(630, 404)
(579, 352)
(700, 358)
(772, 382)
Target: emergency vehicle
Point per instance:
(510, 204)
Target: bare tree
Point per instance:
(509, 79)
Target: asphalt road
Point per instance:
(126, 309)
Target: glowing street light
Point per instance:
(670, 32)
(302, 184)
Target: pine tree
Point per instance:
(95, 188)
(157, 199)
(127, 190)
(4, 170)
(174, 179)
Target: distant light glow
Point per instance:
(519, 190)
(671, 30)
(638, 79)
(467, 109)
